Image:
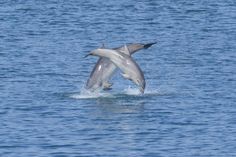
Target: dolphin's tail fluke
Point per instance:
(148, 45)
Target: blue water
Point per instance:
(189, 106)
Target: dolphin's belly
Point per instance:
(108, 72)
(101, 74)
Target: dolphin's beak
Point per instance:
(87, 55)
(141, 90)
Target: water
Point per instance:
(188, 108)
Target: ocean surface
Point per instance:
(189, 105)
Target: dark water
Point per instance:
(189, 108)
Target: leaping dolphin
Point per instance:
(125, 63)
(104, 68)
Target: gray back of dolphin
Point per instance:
(104, 68)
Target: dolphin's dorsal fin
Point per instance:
(103, 46)
(125, 50)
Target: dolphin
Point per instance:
(125, 63)
(104, 68)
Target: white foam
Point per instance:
(135, 91)
(85, 94)
(152, 91)
(132, 91)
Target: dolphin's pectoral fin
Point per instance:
(126, 76)
(107, 85)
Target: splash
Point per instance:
(86, 94)
(129, 91)
(132, 91)
(135, 91)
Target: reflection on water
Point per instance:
(120, 105)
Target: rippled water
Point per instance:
(189, 105)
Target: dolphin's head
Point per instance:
(92, 53)
(141, 84)
(97, 52)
